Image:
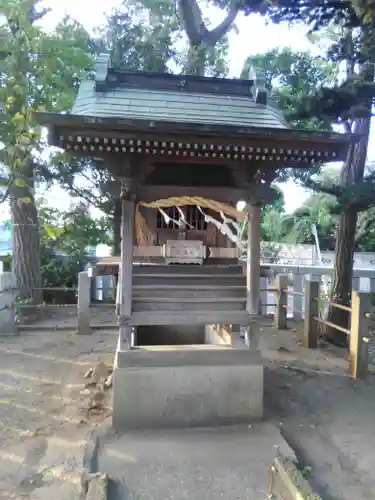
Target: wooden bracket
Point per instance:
(127, 191)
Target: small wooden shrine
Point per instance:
(193, 145)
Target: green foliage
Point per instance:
(39, 72)
(71, 233)
(65, 238)
(272, 219)
(292, 76)
(317, 210)
(316, 14)
(141, 35)
(146, 35)
(365, 240)
(60, 271)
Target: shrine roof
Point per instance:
(176, 98)
(178, 116)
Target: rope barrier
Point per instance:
(143, 233)
(180, 201)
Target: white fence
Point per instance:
(363, 281)
(306, 255)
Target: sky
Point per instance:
(252, 36)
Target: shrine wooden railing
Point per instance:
(358, 318)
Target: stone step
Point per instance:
(191, 464)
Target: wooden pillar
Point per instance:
(253, 261)
(126, 274)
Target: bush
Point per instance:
(60, 271)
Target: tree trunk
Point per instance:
(352, 173)
(26, 260)
(116, 228)
(196, 60)
(342, 281)
(199, 36)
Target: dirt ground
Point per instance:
(324, 415)
(44, 422)
(327, 417)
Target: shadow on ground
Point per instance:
(329, 422)
(43, 415)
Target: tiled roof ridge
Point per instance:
(106, 77)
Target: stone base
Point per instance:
(187, 386)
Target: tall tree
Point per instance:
(290, 77)
(37, 71)
(348, 103)
(316, 211)
(203, 40)
(140, 35)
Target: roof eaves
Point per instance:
(93, 122)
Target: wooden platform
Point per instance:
(108, 266)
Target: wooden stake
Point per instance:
(280, 321)
(310, 332)
(358, 355)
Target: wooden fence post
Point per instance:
(297, 299)
(359, 329)
(310, 331)
(263, 295)
(83, 303)
(280, 320)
